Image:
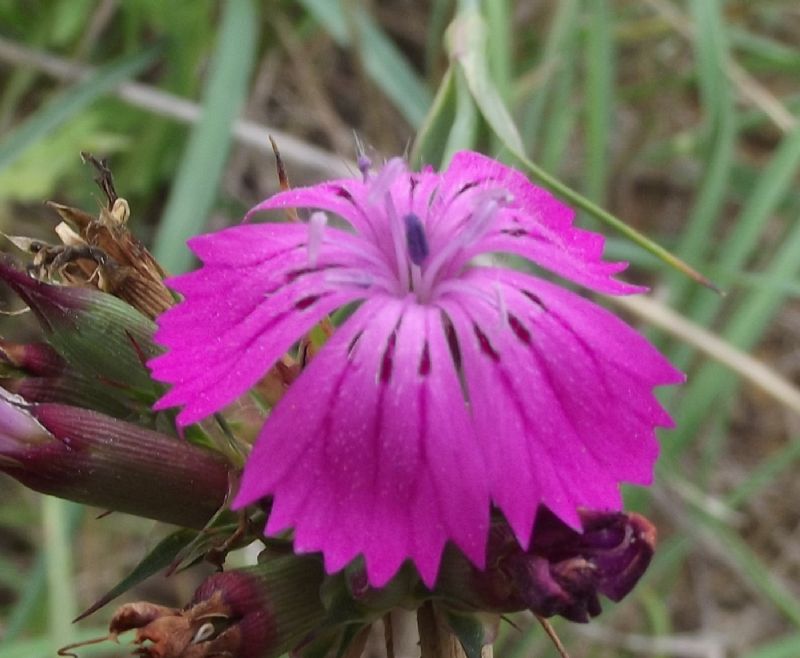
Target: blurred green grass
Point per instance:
(679, 118)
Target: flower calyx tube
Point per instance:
(91, 458)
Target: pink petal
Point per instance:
(534, 225)
(348, 198)
(372, 452)
(561, 395)
(252, 300)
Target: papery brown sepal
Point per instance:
(258, 612)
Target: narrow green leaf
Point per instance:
(437, 23)
(712, 193)
(774, 183)
(330, 15)
(156, 560)
(500, 41)
(768, 54)
(195, 188)
(599, 96)
(557, 47)
(765, 473)
(776, 180)
(382, 60)
(711, 51)
(467, 45)
(35, 581)
(788, 646)
(712, 56)
(69, 103)
(748, 322)
(464, 129)
(388, 67)
(466, 42)
(562, 119)
(41, 647)
(471, 631)
(431, 139)
(755, 571)
(61, 601)
(656, 608)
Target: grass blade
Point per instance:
(467, 36)
(30, 601)
(381, 59)
(500, 45)
(195, 187)
(62, 604)
(41, 647)
(464, 130)
(431, 139)
(786, 647)
(747, 324)
(69, 103)
(599, 97)
(562, 119)
(557, 46)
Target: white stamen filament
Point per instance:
(359, 279)
(316, 227)
(379, 187)
(416, 277)
(399, 242)
(475, 228)
(502, 307)
(465, 288)
(372, 258)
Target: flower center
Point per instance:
(416, 265)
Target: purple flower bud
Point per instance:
(50, 303)
(37, 373)
(37, 359)
(562, 572)
(97, 460)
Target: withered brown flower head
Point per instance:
(101, 252)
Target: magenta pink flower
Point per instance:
(455, 385)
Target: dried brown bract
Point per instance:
(101, 251)
(127, 270)
(256, 612)
(204, 630)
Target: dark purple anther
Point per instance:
(416, 240)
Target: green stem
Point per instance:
(592, 208)
(62, 607)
